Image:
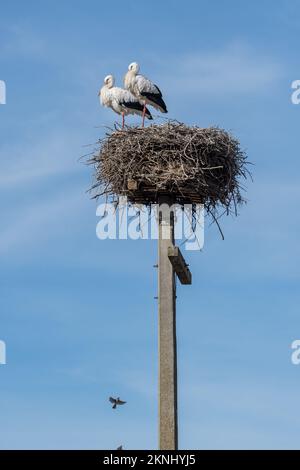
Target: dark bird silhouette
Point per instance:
(120, 448)
(116, 402)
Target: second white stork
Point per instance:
(145, 90)
(121, 101)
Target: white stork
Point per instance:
(143, 89)
(121, 101)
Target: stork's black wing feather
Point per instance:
(138, 107)
(133, 105)
(159, 92)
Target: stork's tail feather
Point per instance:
(156, 100)
(148, 114)
(162, 106)
(159, 103)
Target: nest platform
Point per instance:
(191, 165)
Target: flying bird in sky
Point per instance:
(116, 402)
(121, 101)
(143, 89)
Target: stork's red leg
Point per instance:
(144, 112)
(123, 121)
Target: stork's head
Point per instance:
(134, 67)
(109, 81)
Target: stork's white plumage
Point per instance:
(121, 101)
(143, 89)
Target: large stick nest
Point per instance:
(190, 164)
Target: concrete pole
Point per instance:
(168, 427)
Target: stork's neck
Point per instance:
(105, 95)
(132, 73)
(129, 79)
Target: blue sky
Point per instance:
(78, 314)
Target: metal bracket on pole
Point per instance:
(179, 265)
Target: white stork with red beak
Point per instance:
(143, 89)
(121, 101)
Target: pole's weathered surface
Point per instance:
(168, 426)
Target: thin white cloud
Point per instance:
(262, 243)
(21, 41)
(236, 69)
(26, 160)
(38, 221)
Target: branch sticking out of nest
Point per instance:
(192, 165)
